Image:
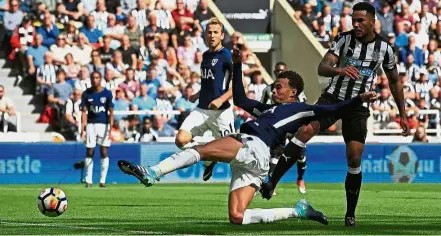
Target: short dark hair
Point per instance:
(280, 63)
(96, 72)
(294, 80)
(364, 6)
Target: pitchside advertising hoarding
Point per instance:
(246, 16)
(53, 163)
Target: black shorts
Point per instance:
(354, 122)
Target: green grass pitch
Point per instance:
(202, 209)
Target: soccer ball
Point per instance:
(52, 202)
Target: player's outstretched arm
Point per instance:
(341, 107)
(240, 99)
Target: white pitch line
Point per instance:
(79, 227)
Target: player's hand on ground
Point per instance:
(237, 55)
(215, 104)
(349, 71)
(405, 126)
(369, 96)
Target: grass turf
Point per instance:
(202, 209)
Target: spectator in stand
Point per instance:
(121, 17)
(94, 35)
(35, 54)
(112, 83)
(113, 5)
(336, 6)
(147, 133)
(120, 104)
(183, 15)
(420, 136)
(197, 40)
(106, 51)
(72, 115)
(129, 53)
(164, 17)
(385, 110)
(202, 15)
(21, 39)
(140, 14)
(423, 87)
(161, 66)
(60, 49)
(7, 110)
(195, 81)
(83, 81)
(423, 118)
(133, 32)
(434, 71)
(162, 128)
(167, 53)
(131, 131)
(329, 20)
(101, 15)
(164, 104)
(184, 104)
(414, 50)
(96, 64)
(12, 18)
(72, 33)
(46, 73)
(309, 18)
(257, 85)
(408, 88)
(402, 39)
(61, 18)
(72, 69)
(82, 50)
(130, 86)
(421, 37)
(187, 53)
(386, 18)
(322, 35)
(405, 16)
(144, 102)
(58, 95)
(114, 32)
(153, 27)
(178, 34)
(74, 9)
(117, 64)
(140, 72)
(436, 34)
(196, 65)
(152, 82)
(432, 49)
(427, 19)
(48, 31)
(410, 68)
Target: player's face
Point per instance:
(96, 80)
(363, 24)
(282, 92)
(214, 36)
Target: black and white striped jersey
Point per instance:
(365, 57)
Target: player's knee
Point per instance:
(89, 152)
(308, 131)
(236, 217)
(103, 153)
(181, 140)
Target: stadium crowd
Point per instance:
(414, 28)
(149, 53)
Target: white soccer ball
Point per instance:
(52, 202)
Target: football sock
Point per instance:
(352, 186)
(104, 169)
(285, 163)
(273, 164)
(301, 167)
(253, 216)
(176, 161)
(88, 165)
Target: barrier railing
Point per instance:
(436, 130)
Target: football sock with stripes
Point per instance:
(301, 167)
(253, 216)
(176, 161)
(88, 165)
(104, 169)
(352, 186)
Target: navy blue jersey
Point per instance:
(97, 105)
(273, 122)
(216, 70)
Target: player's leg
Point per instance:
(354, 129)
(223, 150)
(104, 142)
(193, 125)
(221, 124)
(301, 168)
(91, 139)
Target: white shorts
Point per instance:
(97, 134)
(219, 122)
(251, 165)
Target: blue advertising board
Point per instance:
(46, 163)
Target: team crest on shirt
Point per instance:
(103, 99)
(376, 55)
(214, 61)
